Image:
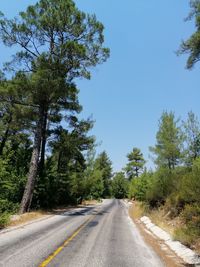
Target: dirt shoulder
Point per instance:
(33, 216)
(169, 258)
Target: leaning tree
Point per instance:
(56, 44)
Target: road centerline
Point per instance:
(66, 242)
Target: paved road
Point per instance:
(100, 236)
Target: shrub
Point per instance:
(138, 186)
(160, 187)
(120, 186)
(6, 209)
(185, 235)
(4, 219)
(7, 206)
(191, 217)
(191, 230)
(190, 186)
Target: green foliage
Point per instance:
(63, 179)
(8, 206)
(9, 191)
(191, 216)
(192, 137)
(169, 142)
(160, 187)
(104, 165)
(119, 186)
(190, 186)
(11, 183)
(94, 185)
(4, 219)
(56, 44)
(173, 185)
(56, 25)
(138, 186)
(190, 232)
(97, 176)
(192, 45)
(136, 163)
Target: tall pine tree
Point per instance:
(58, 44)
(135, 163)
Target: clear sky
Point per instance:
(143, 75)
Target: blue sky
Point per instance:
(143, 75)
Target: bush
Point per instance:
(174, 205)
(138, 186)
(7, 206)
(120, 186)
(190, 186)
(160, 187)
(191, 230)
(6, 209)
(185, 235)
(4, 219)
(93, 186)
(191, 217)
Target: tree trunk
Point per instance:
(3, 142)
(43, 144)
(169, 164)
(32, 174)
(59, 162)
(137, 171)
(5, 137)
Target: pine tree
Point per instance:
(103, 164)
(192, 136)
(119, 186)
(192, 45)
(58, 44)
(135, 163)
(168, 148)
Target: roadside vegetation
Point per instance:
(43, 143)
(47, 156)
(171, 193)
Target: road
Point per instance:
(98, 236)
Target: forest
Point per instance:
(173, 188)
(43, 143)
(47, 155)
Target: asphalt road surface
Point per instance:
(98, 236)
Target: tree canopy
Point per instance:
(56, 44)
(169, 139)
(192, 45)
(135, 163)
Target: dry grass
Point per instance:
(17, 220)
(27, 217)
(197, 245)
(90, 202)
(161, 218)
(175, 227)
(136, 210)
(188, 238)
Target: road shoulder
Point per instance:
(20, 221)
(169, 258)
